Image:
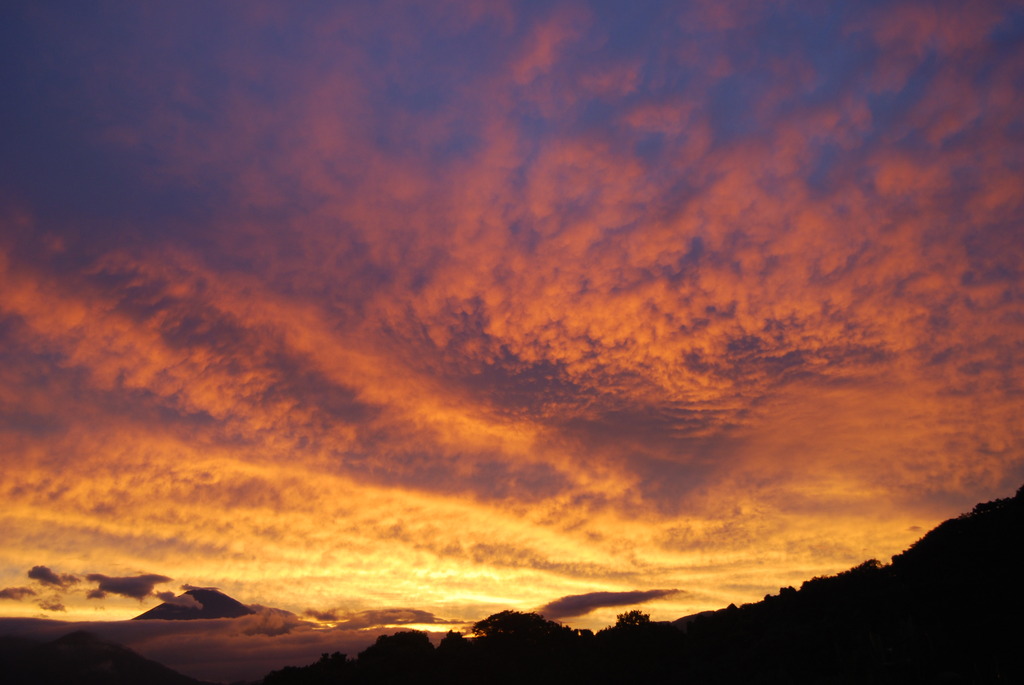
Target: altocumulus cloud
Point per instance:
(631, 290)
(578, 605)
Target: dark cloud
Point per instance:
(17, 592)
(137, 587)
(577, 605)
(47, 577)
(325, 615)
(51, 605)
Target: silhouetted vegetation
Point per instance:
(331, 668)
(947, 610)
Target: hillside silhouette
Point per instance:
(947, 610)
(80, 658)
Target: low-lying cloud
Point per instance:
(224, 650)
(184, 600)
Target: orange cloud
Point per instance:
(515, 308)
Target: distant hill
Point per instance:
(195, 604)
(81, 658)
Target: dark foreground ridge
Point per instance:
(81, 658)
(947, 610)
(195, 604)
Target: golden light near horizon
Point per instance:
(403, 316)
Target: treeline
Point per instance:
(508, 647)
(947, 610)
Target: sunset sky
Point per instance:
(452, 307)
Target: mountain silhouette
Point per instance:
(80, 658)
(195, 604)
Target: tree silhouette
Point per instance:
(525, 647)
(330, 669)
(632, 619)
(636, 649)
(405, 657)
